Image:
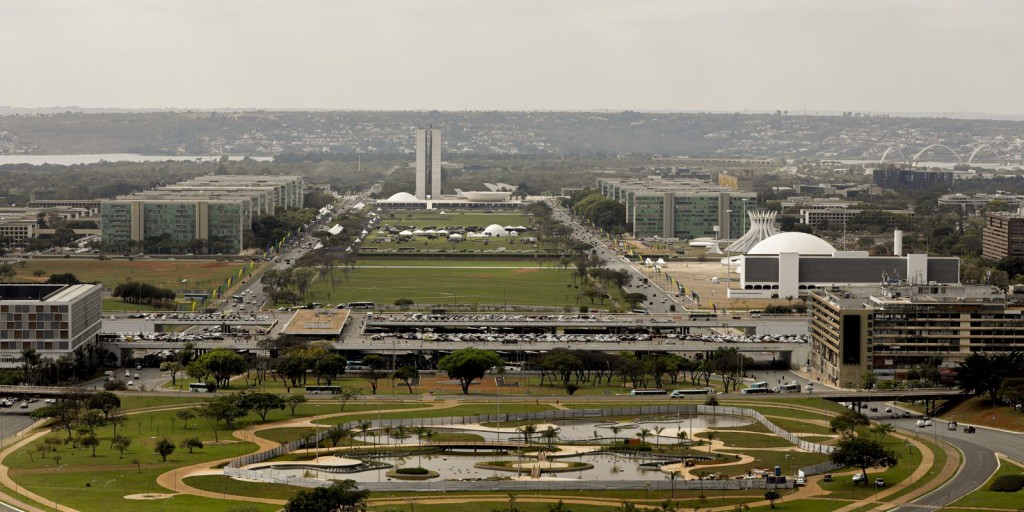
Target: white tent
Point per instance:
(660, 261)
(648, 262)
(318, 246)
(455, 236)
(336, 229)
(365, 232)
(359, 206)
(405, 233)
(418, 232)
(521, 228)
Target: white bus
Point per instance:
(755, 391)
(362, 305)
(789, 388)
(645, 391)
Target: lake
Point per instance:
(112, 157)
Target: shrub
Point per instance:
(412, 471)
(115, 385)
(1008, 483)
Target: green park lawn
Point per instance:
(984, 498)
(201, 275)
(747, 440)
(412, 219)
(378, 242)
(453, 282)
(460, 410)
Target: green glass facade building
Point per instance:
(683, 209)
(209, 214)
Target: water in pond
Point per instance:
(458, 466)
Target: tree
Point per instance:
(63, 279)
(164, 448)
(191, 443)
(89, 420)
(174, 367)
(549, 434)
(293, 401)
(863, 453)
(469, 364)
(104, 401)
(527, 431)
(120, 443)
(407, 374)
(643, 434)
(186, 416)
(328, 367)
(869, 379)
(221, 408)
(64, 415)
(89, 441)
(7, 272)
(772, 496)
(260, 403)
(373, 374)
(847, 422)
(338, 497)
(404, 303)
(223, 364)
(635, 298)
(345, 395)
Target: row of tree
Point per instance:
(143, 293)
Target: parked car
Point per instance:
(828, 478)
(969, 429)
(858, 478)
(879, 482)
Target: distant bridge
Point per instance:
(917, 156)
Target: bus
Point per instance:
(759, 385)
(199, 387)
(789, 388)
(323, 390)
(706, 316)
(684, 392)
(755, 391)
(238, 299)
(644, 391)
(355, 366)
(362, 305)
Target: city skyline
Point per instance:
(651, 55)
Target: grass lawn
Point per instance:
(201, 275)
(403, 219)
(112, 304)
(455, 437)
(222, 484)
(985, 498)
(129, 402)
(379, 242)
(102, 491)
(447, 283)
(797, 426)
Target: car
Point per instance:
(927, 423)
(827, 478)
(969, 430)
(859, 478)
(127, 373)
(800, 481)
(874, 409)
(678, 393)
(921, 424)
(131, 383)
(905, 414)
(24, 405)
(879, 482)
(888, 409)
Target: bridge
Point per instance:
(43, 391)
(917, 156)
(476, 445)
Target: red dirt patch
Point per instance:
(525, 270)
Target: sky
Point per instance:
(928, 56)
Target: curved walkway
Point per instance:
(175, 479)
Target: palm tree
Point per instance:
(364, 428)
(399, 433)
(527, 431)
(711, 435)
(549, 434)
(644, 434)
(657, 435)
(681, 435)
(615, 431)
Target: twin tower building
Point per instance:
(428, 164)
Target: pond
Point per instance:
(463, 465)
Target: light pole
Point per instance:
(316, 436)
(162, 505)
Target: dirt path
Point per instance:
(5, 477)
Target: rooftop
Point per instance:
(316, 322)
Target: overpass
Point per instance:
(929, 396)
(43, 391)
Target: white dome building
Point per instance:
(402, 197)
(495, 231)
(793, 241)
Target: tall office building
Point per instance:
(428, 163)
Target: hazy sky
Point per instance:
(861, 55)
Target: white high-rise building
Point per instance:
(428, 163)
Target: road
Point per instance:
(658, 300)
